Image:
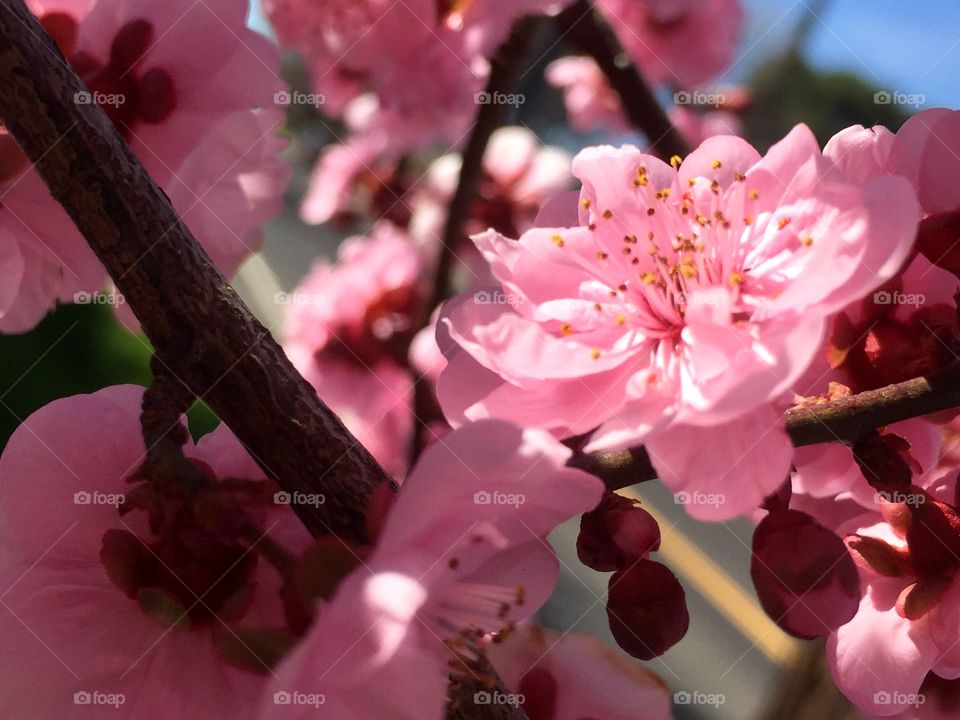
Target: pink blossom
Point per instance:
(519, 176)
(697, 127)
(462, 555)
(576, 675)
(906, 628)
(348, 327)
(679, 43)
(590, 101)
(186, 114)
(67, 626)
(678, 308)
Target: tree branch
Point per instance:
(203, 333)
(843, 420)
(583, 26)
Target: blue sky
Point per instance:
(910, 47)
(907, 46)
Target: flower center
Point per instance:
(129, 93)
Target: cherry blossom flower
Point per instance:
(519, 176)
(188, 116)
(79, 630)
(905, 634)
(681, 43)
(563, 677)
(590, 101)
(348, 327)
(677, 307)
(462, 555)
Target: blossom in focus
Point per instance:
(574, 675)
(674, 306)
(96, 602)
(190, 118)
(462, 556)
(347, 329)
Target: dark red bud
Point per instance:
(805, 578)
(646, 609)
(616, 533)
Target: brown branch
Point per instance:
(203, 333)
(844, 420)
(584, 28)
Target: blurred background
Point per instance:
(828, 64)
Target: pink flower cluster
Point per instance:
(202, 123)
(666, 303)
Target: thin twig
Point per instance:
(583, 27)
(844, 420)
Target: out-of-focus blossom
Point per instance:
(462, 556)
(519, 176)
(105, 612)
(590, 101)
(681, 43)
(188, 115)
(678, 308)
(348, 327)
(574, 675)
